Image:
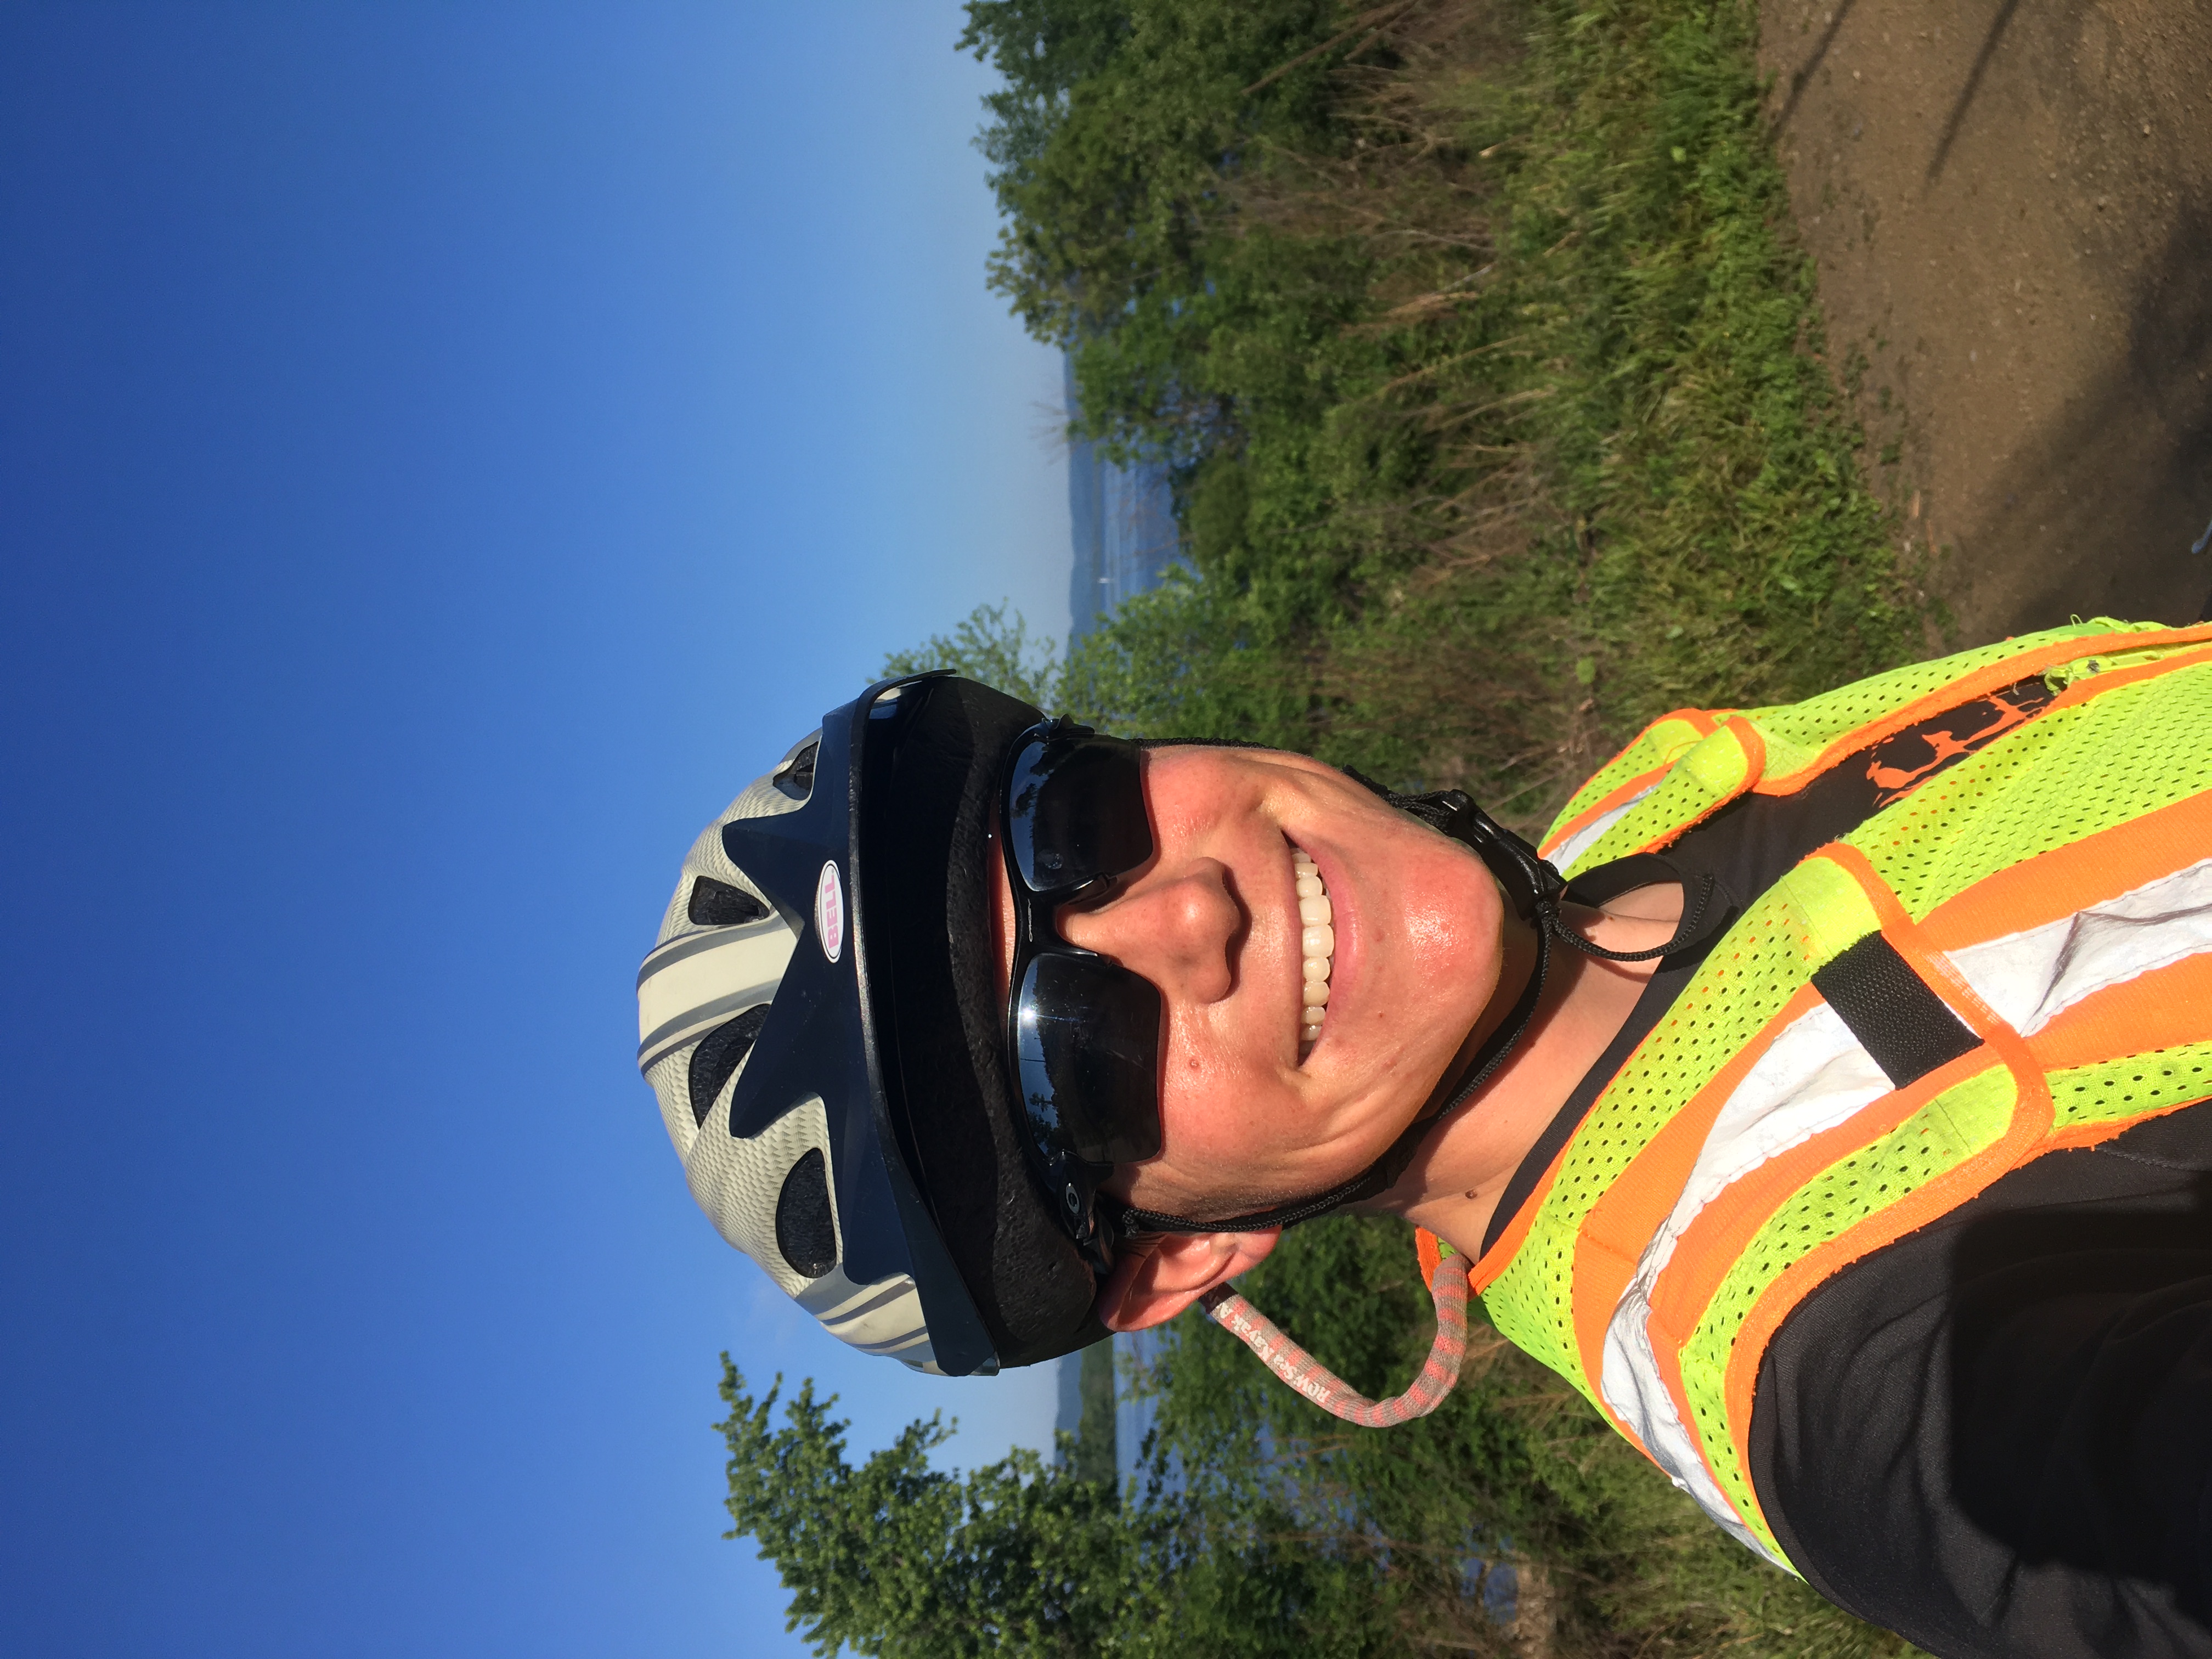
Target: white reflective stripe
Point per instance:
(685, 977)
(1581, 841)
(883, 1318)
(833, 1296)
(2032, 976)
(1816, 1075)
(1812, 1077)
(696, 1023)
(913, 1347)
(1633, 1388)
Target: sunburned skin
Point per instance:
(1422, 959)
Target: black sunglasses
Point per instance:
(1083, 1034)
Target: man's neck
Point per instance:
(1455, 1183)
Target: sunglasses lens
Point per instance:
(1088, 1047)
(1075, 811)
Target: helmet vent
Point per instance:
(717, 904)
(803, 1230)
(719, 1053)
(795, 777)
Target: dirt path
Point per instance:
(2010, 204)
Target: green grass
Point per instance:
(1575, 459)
(1513, 1468)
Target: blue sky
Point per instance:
(445, 451)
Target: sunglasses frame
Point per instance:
(1071, 1181)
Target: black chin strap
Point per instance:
(1536, 890)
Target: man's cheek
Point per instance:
(1215, 1096)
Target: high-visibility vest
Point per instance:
(2014, 957)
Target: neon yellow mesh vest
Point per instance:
(2047, 900)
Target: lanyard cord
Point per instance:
(1331, 1392)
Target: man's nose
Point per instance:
(1178, 931)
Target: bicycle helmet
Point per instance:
(820, 1021)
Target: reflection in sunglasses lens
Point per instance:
(1076, 812)
(1089, 1055)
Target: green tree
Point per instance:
(1258, 1524)
(1185, 661)
(1091, 1451)
(984, 646)
(1110, 141)
(1025, 1557)
(1492, 377)
(894, 1557)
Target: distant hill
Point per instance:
(1124, 528)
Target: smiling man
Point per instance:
(1325, 964)
(1825, 1103)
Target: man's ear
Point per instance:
(1156, 1279)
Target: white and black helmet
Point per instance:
(821, 1024)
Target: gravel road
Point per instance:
(2010, 202)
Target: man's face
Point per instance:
(1212, 921)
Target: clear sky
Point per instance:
(445, 451)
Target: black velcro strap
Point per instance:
(1906, 1026)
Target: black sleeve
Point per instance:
(1994, 1437)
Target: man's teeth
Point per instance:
(1316, 944)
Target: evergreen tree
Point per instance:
(1260, 1525)
(1027, 1557)
(985, 647)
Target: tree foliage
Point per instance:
(986, 646)
(1024, 1558)
(1259, 1525)
(895, 1557)
(1110, 142)
(1490, 373)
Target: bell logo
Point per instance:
(830, 913)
